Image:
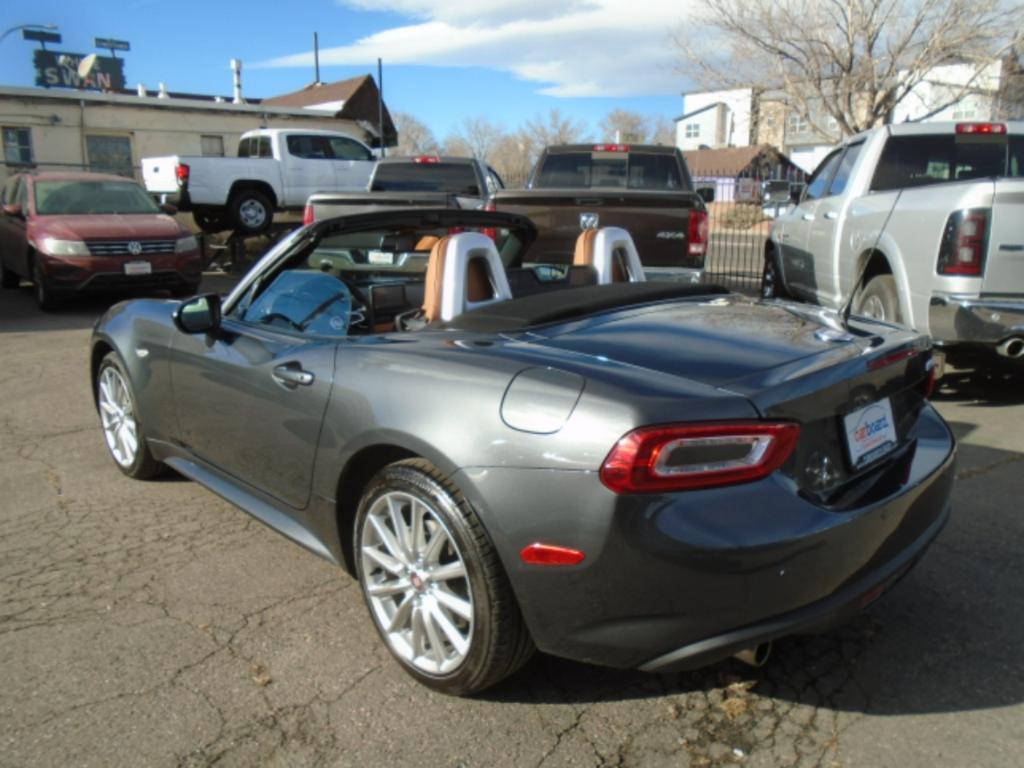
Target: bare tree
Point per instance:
(664, 132)
(626, 126)
(542, 131)
(414, 138)
(513, 157)
(850, 60)
(479, 135)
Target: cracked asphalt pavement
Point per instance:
(154, 624)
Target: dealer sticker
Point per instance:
(870, 432)
(380, 257)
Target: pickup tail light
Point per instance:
(981, 128)
(491, 232)
(964, 243)
(611, 147)
(698, 234)
(307, 215)
(680, 457)
(181, 173)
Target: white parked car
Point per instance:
(921, 224)
(275, 169)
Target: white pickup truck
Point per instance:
(923, 223)
(275, 169)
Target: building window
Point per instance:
(692, 130)
(110, 154)
(212, 146)
(17, 146)
(797, 124)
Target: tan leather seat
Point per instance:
(426, 243)
(464, 271)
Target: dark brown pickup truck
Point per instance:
(644, 189)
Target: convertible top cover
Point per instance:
(556, 306)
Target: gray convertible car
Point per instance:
(511, 456)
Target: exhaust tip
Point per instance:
(1012, 347)
(756, 656)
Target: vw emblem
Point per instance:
(135, 248)
(589, 220)
(819, 471)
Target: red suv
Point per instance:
(74, 232)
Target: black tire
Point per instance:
(251, 212)
(210, 220)
(772, 286)
(498, 641)
(45, 296)
(880, 300)
(8, 278)
(143, 466)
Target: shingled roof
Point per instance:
(734, 161)
(354, 99)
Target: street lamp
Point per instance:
(26, 26)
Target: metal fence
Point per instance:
(740, 218)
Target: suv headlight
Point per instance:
(186, 243)
(55, 247)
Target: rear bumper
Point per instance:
(677, 274)
(681, 580)
(965, 320)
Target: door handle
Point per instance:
(807, 216)
(291, 375)
(831, 215)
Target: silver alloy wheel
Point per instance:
(118, 417)
(874, 308)
(416, 583)
(768, 281)
(252, 213)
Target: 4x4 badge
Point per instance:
(589, 220)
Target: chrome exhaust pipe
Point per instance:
(755, 656)
(1012, 347)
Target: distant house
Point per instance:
(736, 173)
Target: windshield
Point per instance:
(80, 197)
(623, 170)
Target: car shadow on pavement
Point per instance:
(947, 638)
(995, 387)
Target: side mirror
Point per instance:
(200, 314)
(15, 210)
(707, 194)
(796, 193)
(169, 209)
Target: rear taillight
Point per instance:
(307, 215)
(491, 232)
(964, 243)
(683, 457)
(698, 234)
(427, 160)
(181, 172)
(611, 147)
(997, 128)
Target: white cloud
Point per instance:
(574, 48)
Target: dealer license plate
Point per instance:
(870, 433)
(138, 268)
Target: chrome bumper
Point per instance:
(956, 319)
(676, 274)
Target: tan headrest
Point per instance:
(434, 282)
(584, 255)
(426, 242)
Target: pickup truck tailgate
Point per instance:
(1004, 267)
(158, 174)
(657, 221)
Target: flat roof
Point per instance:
(156, 102)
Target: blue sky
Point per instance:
(444, 60)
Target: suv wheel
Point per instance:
(771, 279)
